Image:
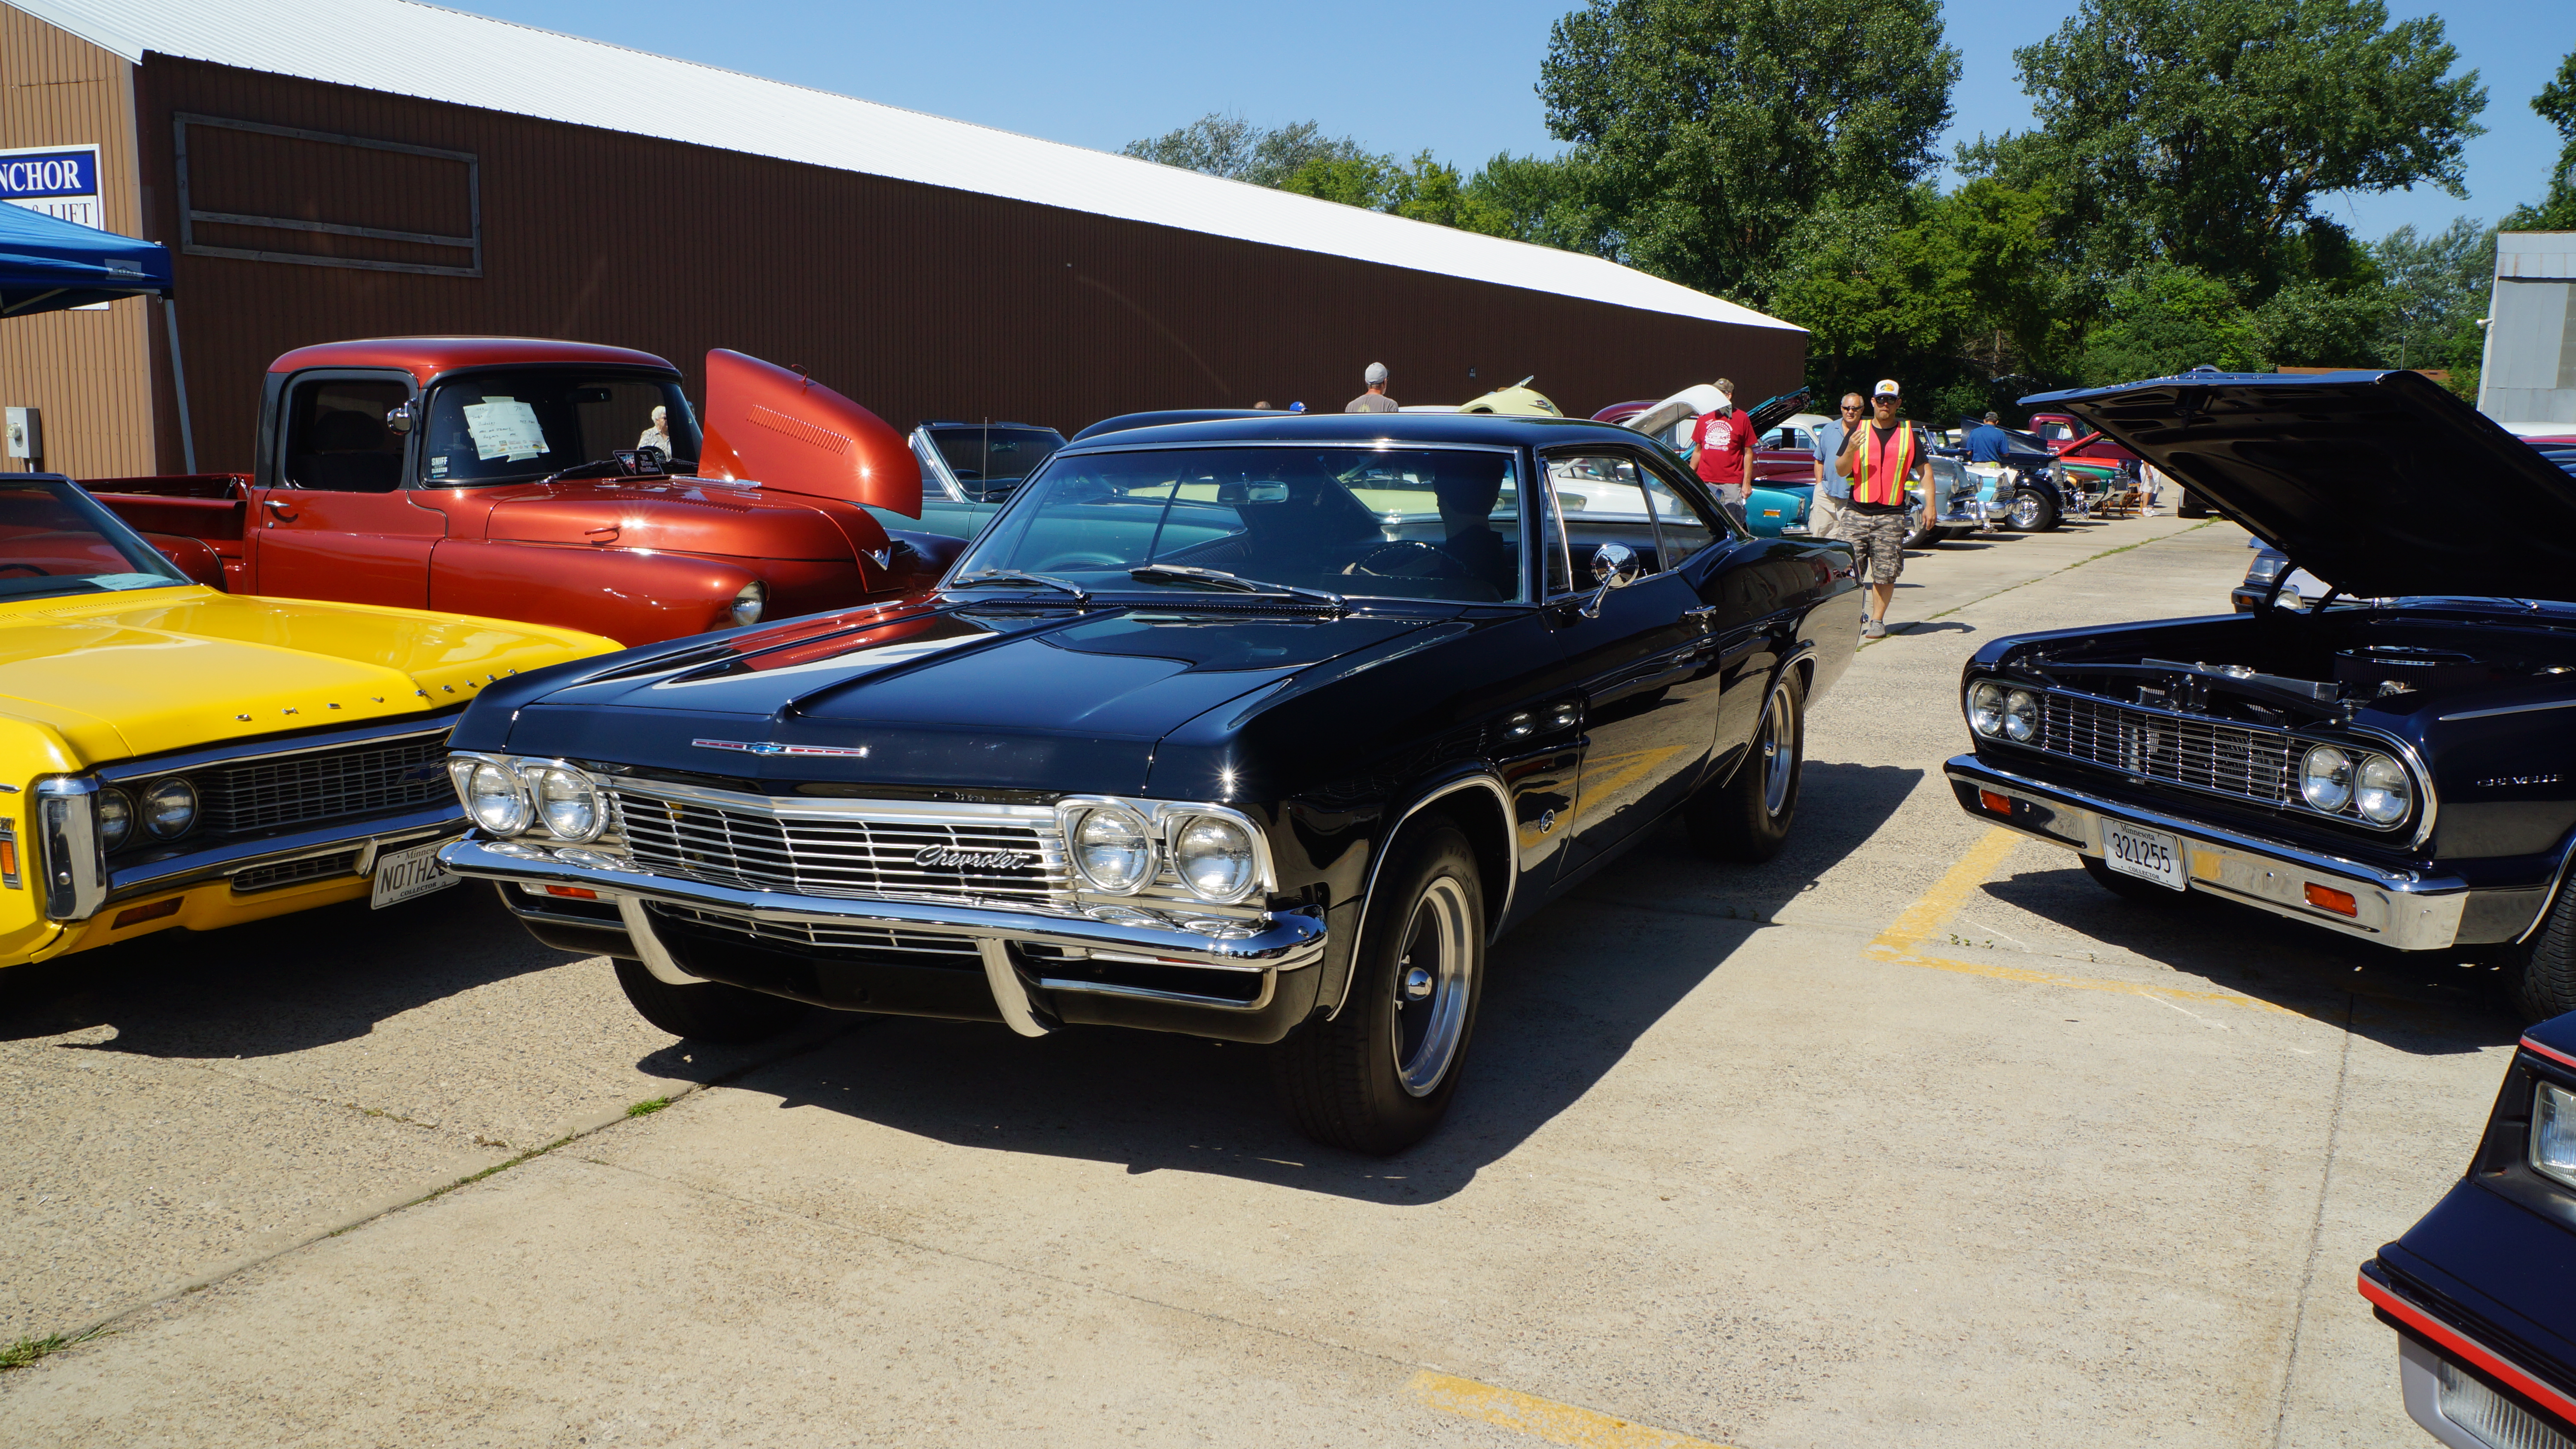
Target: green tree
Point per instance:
(1222, 143)
(2202, 132)
(2556, 211)
(2166, 318)
(1711, 130)
(1546, 200)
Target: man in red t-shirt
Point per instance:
(1722, 449)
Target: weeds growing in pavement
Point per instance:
(648, 1107)
(27, 1350)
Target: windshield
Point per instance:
(509, 427)
(1418, 523)
(56, 539)
(991, 461)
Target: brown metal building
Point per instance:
(927, 268)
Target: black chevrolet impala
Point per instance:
(2397, 771)
(1259, 729)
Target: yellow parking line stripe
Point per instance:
(1896, 944)
(1543, 1418)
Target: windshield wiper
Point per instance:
(1018, 576)
(1220, 579)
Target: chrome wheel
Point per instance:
(1431, 981)
(2025, 510)
(1779, 757)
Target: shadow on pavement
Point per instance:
(1566, 998)
(1934, 626)
(2421, 1002)
(274, 986)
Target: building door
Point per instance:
(335, 522)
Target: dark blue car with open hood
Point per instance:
(1256, 728)
(2396, 772)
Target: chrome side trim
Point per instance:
(648, 946)
(66, 840)
(1008, 994)
(2508, 709)
(2549, 900)
(1511, 852)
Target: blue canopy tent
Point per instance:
(47, 264)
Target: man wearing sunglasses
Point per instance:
(1880, 460)
(1825, 510)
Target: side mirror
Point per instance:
(1614, 566)
(398, 418)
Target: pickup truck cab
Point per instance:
(521, 478)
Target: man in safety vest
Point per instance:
(1880, 460)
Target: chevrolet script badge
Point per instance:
(772, 747)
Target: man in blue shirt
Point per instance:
(1832, 488)
(1987, 442)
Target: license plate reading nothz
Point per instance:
(2147, 854)
(404, 874)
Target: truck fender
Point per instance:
(627, 595)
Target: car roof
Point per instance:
(1355, 428)
(426, 357)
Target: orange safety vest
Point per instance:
(1879, 474)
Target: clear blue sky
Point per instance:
(1457, 79)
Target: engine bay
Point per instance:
(2324, 681)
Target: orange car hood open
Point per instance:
(770, 426)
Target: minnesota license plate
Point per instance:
(2147, 854)
(403, 874)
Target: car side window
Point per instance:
(336, 437)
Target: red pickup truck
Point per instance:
(555, 482)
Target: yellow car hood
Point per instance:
(180, 668)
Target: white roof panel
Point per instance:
(471, 60)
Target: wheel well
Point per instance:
(1479, 817)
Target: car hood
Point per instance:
(692, 516)
(180, 668)
(980, 694)
(2381, 484)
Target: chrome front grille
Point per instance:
(1009, 855)
(2250, 764)
(319, 785)
(957, 951)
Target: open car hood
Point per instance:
(1699, 397)
(768, 425)
(2380, 483)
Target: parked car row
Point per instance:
(1129, 761)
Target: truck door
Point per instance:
(1649, 658)
(331, 519)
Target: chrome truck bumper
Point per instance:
(2395, 908)
(1239, 948)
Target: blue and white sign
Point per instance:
(56, 180)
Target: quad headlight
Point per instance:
(495, 797)
(508, 796)
(114, 812)
(565, 802)
(1996, 711)
(2553, 1132)
(2021, 716)
(1112, 848)
(169, 808)
(1207, 853)
(2385, 794)
(1986, 709)
(1214, 857)
(2325, 779)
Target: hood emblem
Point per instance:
(772, 747)
(950, 858)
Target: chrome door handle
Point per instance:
(1704, 616)
(276, 507)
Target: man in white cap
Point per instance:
(1880, 460)
(1375, 399)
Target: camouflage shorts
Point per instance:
(1877, 540)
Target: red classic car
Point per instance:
(1782, 465)
(561, 483)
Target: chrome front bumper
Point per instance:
(1263, 945)
(2395, 908)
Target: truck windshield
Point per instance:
(509, 427)
(56, 539)
(1416, 523)
(990, 462)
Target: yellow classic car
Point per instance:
(172, 755)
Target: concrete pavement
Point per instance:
(1912, 1135)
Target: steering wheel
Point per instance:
(1078, 561)
(1409, 558)
(31, 568)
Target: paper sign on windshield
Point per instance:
(504, 428)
